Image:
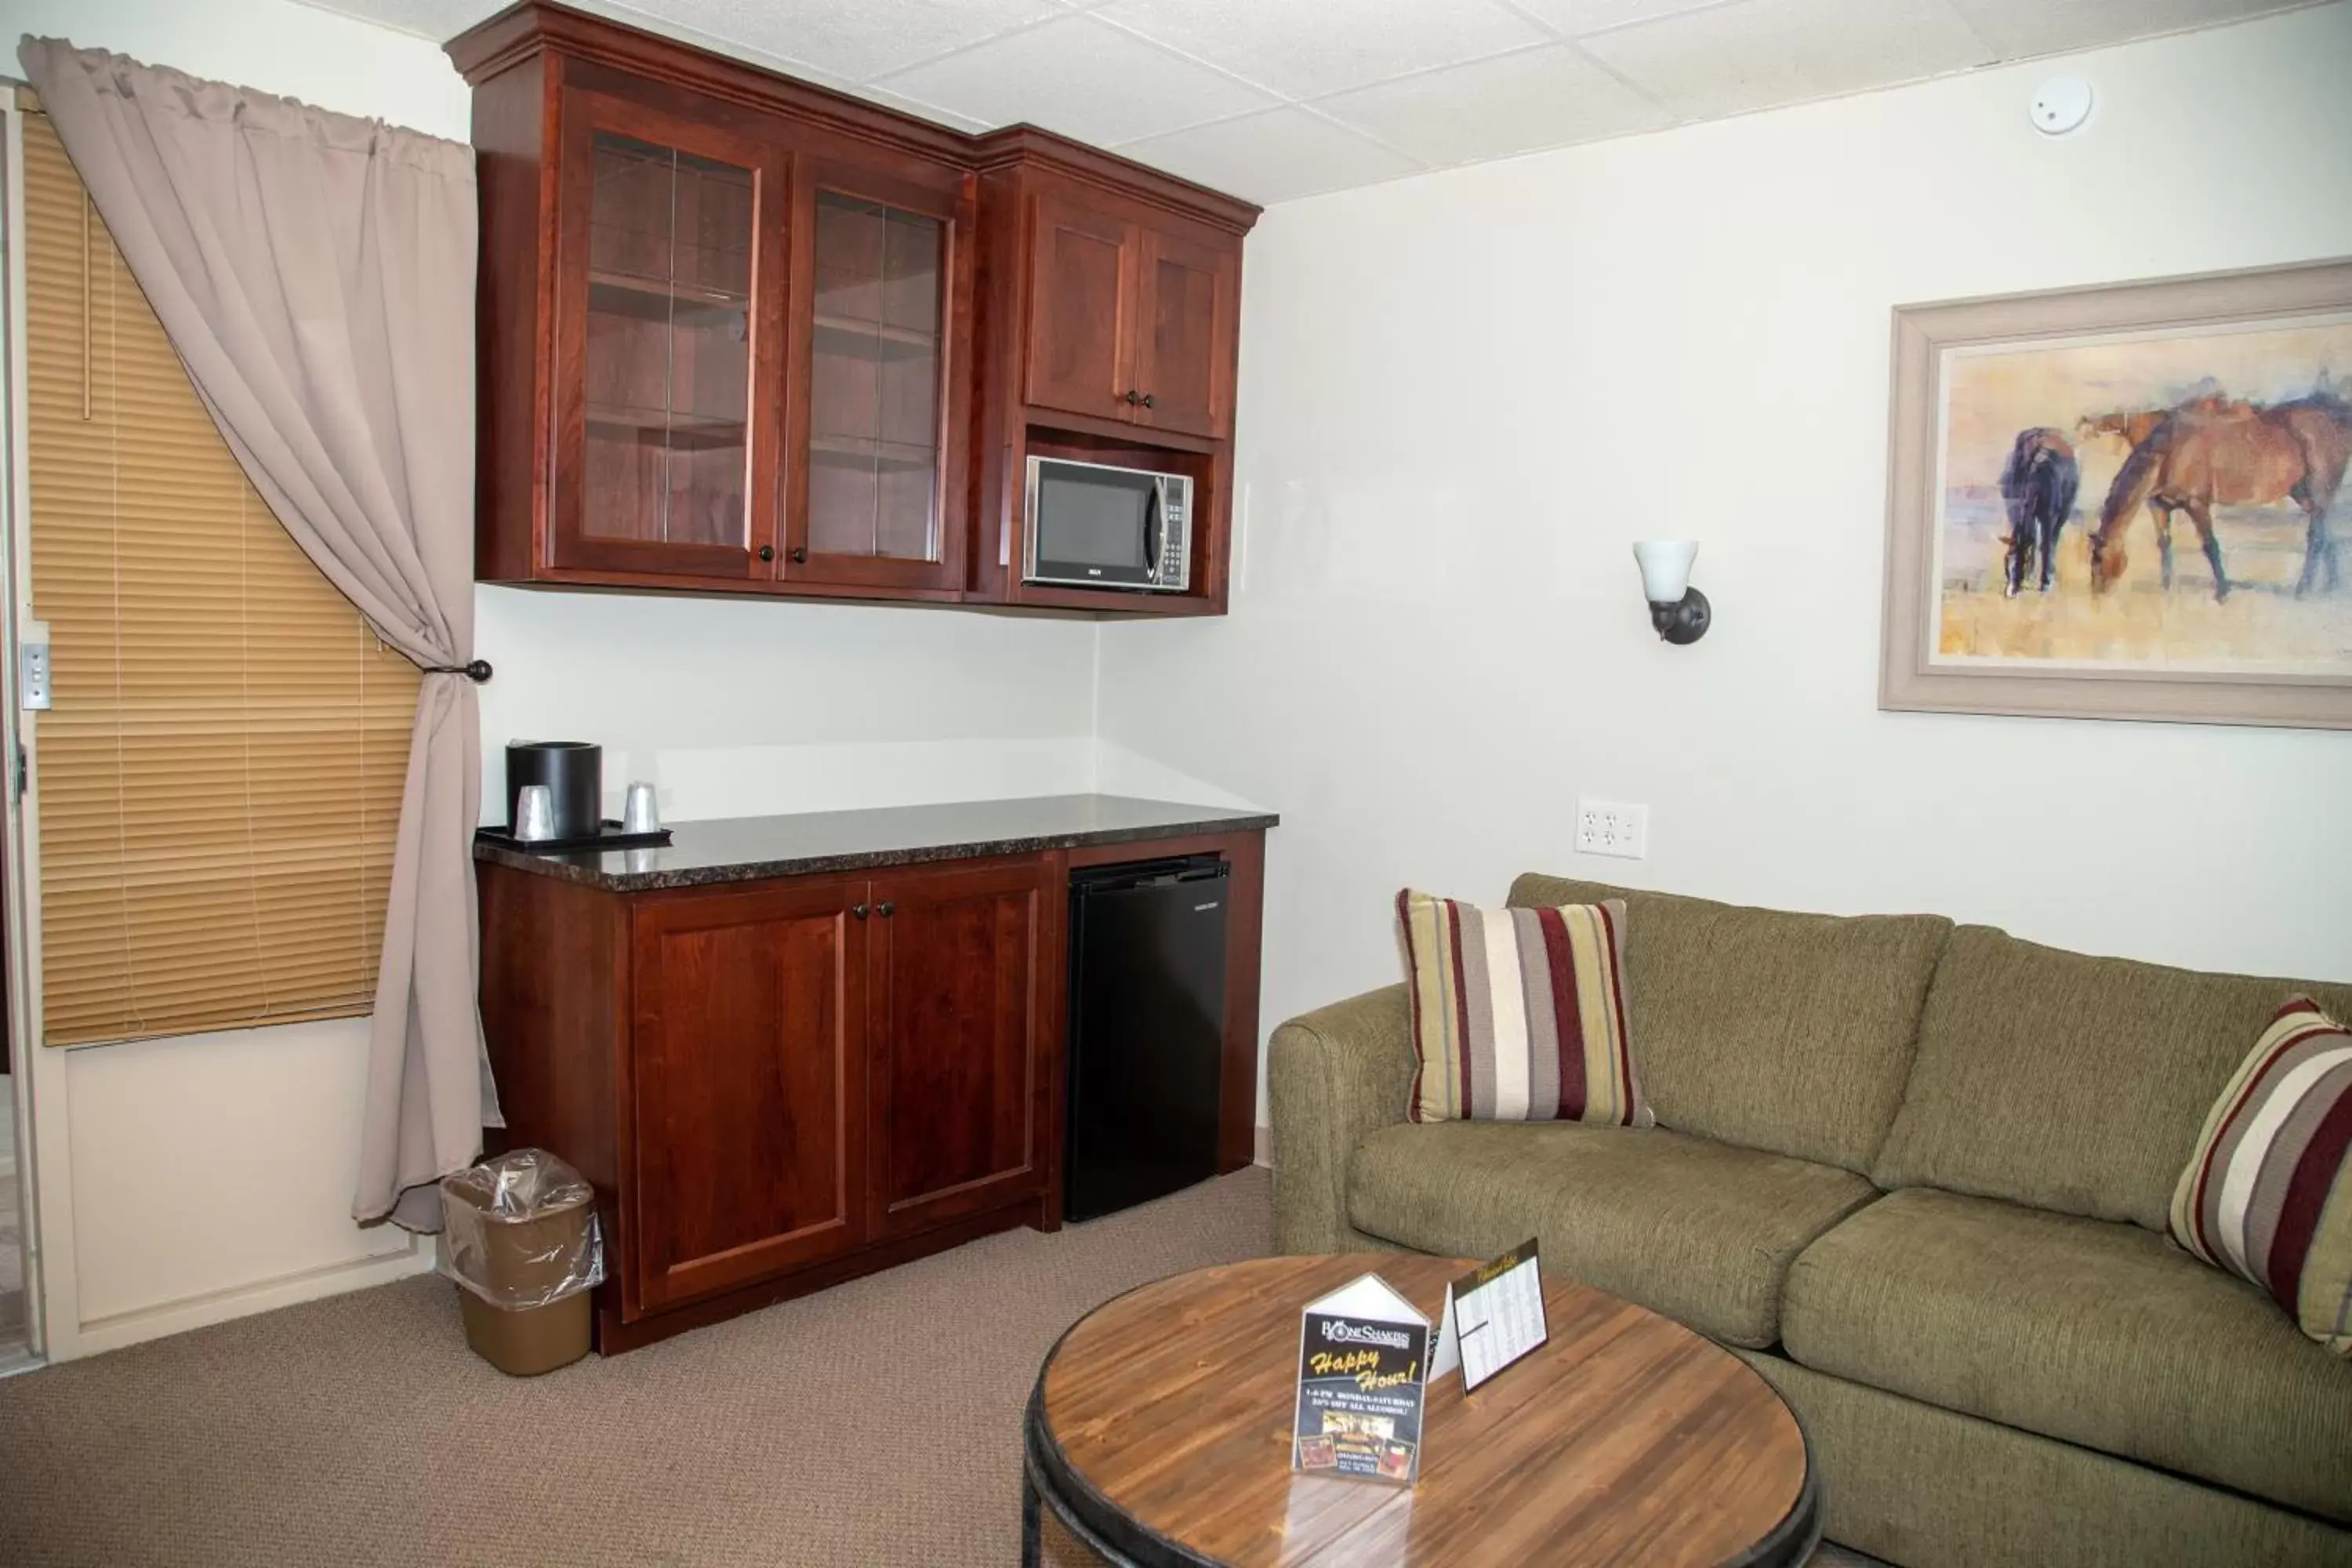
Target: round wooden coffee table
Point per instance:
(1159, 1434)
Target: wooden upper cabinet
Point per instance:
(1186, 327)
(1081, 288)
(962, 1019)
(732, 333)
(881, 384)
(668, 340)
(746, 1084)
(1130, 321)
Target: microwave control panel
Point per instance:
(1176, 547)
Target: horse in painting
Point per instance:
(2037, 484)
(2216, 453)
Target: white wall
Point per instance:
(187, 1180)
(736, 706)
(1463, 395)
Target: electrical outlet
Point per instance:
(1609, 828)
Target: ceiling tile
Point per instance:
(1079, 78)
(1273, 156)
(438, 20)
(1756, 54)
(2019, 28)
(1304, 48)
(917, 107)
(1546, 97)
(856, 39)
(1577, 17)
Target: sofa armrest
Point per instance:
(1332, 1077)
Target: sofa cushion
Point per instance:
(2267, 1192)
(1701, 1231)
(1518, 1015)
(1786, 1032)
(2091, 1332)
(2066, 1082)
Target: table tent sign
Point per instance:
(1366, 1360)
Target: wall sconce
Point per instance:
(1679, 611)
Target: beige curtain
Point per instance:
(316, 275)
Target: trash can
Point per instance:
(518, 1236)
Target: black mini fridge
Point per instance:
(1147, 1030)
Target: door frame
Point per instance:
(43, 1163)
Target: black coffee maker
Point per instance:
(573, 772)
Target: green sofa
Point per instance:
(1917, 1176)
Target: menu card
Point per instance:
(1494, 1317)
(1363, 1358)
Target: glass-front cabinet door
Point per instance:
(881, 502)
(670, 345)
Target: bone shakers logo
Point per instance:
(1348, 1334)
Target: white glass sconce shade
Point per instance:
(1665, 568)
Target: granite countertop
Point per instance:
(746, 849)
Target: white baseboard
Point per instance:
(120, 1328)
(1265, 1147)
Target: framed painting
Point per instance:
(2125, 502)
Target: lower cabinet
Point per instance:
(957, 1020)
(776, 1084)
(747, 1073)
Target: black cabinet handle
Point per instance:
(888, 908)
(767, 553)
(1132, 397)
(800, 555)
(857, 909)
(1145, 400)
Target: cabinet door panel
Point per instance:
(1184, 334)
(881, 405)
(747, 1088)
(668, 342)
(1081, 280)
(962, 959)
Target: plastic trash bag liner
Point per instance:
(519, 1231)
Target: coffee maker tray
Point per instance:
(607, 837)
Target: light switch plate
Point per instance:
(1613, 827)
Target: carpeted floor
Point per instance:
(874, 1424)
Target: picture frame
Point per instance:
(2130, 623)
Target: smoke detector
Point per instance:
(2060, 105)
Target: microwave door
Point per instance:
(1092, 526)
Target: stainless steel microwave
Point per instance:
(1094, 525)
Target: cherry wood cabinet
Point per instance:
(746, 1085)
(1080, 353)
(780, 1083)
(960, 986)
(739, 334)
(669, 241)
(1129, 320)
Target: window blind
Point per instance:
(219, 781)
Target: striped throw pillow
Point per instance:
(1519, 1014)
(2268, 1192)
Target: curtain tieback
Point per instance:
(477, 672)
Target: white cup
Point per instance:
(534, 813)
(639, 814)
